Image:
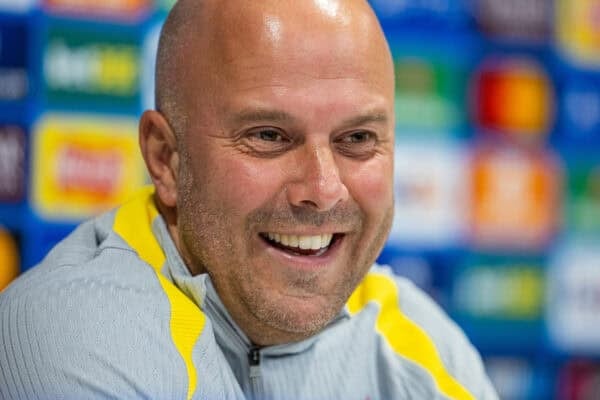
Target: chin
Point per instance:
(300, 316)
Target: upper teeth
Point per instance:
(303, 242)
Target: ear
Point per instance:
(159, 149)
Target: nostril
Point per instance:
(309, 203)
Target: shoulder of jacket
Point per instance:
(416, 328)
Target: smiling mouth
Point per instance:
(302, 245)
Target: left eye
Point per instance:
(357, 137)
(358, 144)
(265, 141)
(269, 135)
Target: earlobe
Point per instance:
(158, 145)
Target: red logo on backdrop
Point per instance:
(513, 97)
(12, 164)
(92, 171)
(580, 380)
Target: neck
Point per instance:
(169, 215)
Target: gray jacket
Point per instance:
(112, 312)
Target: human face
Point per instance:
(293, 148)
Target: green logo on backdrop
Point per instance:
(583, 207)
(83, 65)
(430, 97)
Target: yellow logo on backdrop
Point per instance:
(118, 70)
(578, 29)
(84, 165)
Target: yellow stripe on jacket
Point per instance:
(407, 338)
(133, 222)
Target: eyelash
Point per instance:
(255, 141)
(257, 134)
(366, 134)
(362, 149)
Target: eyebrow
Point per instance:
(376, 116)
(274, 115)
(261, 115)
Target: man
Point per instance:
(247, 272)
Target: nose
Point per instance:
(317, 182)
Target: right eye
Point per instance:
(268, 134)
(266, 141)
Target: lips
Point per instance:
(307, 245)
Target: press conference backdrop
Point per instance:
(497, 174)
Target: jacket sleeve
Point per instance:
(84, 338)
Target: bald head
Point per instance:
(200, 38)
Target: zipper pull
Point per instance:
(254, 361)
(254, 357)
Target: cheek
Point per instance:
(241, 185)
(371, 186)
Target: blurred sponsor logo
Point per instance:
(106, 8)
(429, 96)
(515, 198)
(579, 380)
(574, 296)
(519, 19)
(12, 163)
(500, 289)
(14, 82)
(17, 5)
(512, 377)
(583, 205)
(82, 65)
(430, 188)
(9, 259)
(578, 30)
(513, 97)
(80, 168)
(83, 166)
(581, 108)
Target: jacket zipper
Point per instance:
(255, 376)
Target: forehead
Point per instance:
(312, 86)
(278, 44)
(302, 60)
